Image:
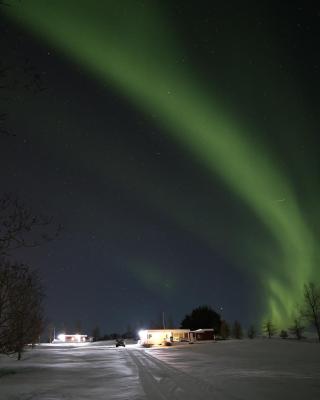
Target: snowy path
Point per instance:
(238, 370)
(162, 381)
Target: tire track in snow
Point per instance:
(161, 381)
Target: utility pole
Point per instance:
(163, 320)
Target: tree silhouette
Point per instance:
(21, 227)
(269, 329)
(21, 316)
(96, 333)
(202, 317)
(297, 328)
(284, 334)
(237, 332)
(224, 330)
(311, 309)
(252, 333)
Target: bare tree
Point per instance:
(21, 317)
(311, 308)
(20, 227)
(21, 295)
(269, 329)
(20, 291)
(252, 333)
(96, 335)
(237, 331)
(224, 330)
(297, 328)
(50, 332)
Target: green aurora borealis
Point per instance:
(131, 45)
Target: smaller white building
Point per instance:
(75, 338)
(163, 336)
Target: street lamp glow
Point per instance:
(62, 337)
(142, 334)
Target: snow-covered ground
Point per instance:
(248, 369)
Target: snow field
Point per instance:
(248, 369)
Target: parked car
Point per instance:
(120, 342)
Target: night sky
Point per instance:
(178, 144)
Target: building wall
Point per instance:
(160, 336)
(209, 335)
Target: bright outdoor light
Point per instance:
(62, 337)
(142, 334)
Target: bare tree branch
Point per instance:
(20, 227)
(311, 309)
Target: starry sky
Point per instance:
(177, 142)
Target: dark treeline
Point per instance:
(204, 317)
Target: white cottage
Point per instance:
(76, 338)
